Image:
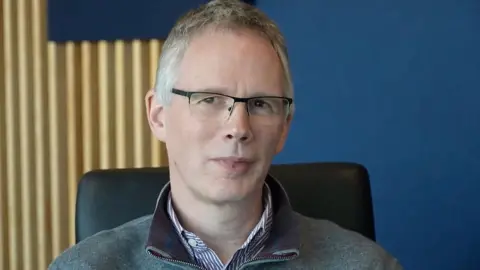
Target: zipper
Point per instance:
(178, 262)
(243, 266)
(267, 259)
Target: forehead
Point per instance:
(236, 60)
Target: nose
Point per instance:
(238, 124)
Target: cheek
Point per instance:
(268, 139)
(177, 131)
(188, 134)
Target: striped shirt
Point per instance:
(207, 258)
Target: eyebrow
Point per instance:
(218, 90)
(224, 91)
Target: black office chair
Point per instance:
(339, 192)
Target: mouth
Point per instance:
(234, 164)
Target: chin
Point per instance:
(228, 189)
(227, 198)
(223, 184)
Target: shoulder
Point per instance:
(110, 249)
(338, 248)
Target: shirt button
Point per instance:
(192, 242)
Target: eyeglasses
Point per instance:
(215, 106)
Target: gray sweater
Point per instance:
(295, 242)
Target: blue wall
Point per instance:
(394, 85)
(93, 20)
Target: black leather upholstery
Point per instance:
(339, 192)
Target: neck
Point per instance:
(224, 228)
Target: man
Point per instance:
(223, 104)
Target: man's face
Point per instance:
(222, 159)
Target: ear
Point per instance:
(283, 136)
(155, 116)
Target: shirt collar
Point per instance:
(263, 225)
(267, 202)
(163, 239)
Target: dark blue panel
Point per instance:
(76, 20)
(394, 85)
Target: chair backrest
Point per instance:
(339, 192)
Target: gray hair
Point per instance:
(218, 14)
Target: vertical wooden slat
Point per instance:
(87, 129)
(41, 179)
(120, 108)
(3, 177)
(138, 143)
(73, 129)
(104, 106)
(58, 145)
(62, 145)
(145, 86)
(3, 156)
(154, 53)
(53, 136)
(89, 106)
(129, 131)
(26, 115)
(12, 136)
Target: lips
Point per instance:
(234, 164)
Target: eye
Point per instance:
(266, 105)
(209, 100)
(259, 103)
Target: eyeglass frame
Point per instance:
(189, 94)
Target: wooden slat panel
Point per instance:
(65, 109)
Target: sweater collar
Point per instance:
(163, 240)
